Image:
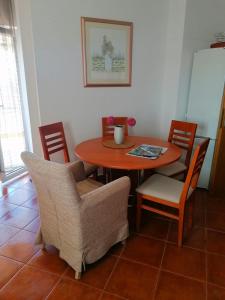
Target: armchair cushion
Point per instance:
(87, 185)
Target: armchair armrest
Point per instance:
(77, 169)
(105, 208)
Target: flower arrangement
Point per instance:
(130, 121)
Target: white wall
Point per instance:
(166, 34)
(173, 47)
(203, 19)
(57, 47)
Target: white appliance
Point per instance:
(205, 96)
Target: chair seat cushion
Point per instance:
(163, 187)
(87, 185)
(172, 169)
(89, 168)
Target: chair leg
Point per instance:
(138, 212)
(77, 275)
(190, 217)
(180, 228)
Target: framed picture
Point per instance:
(107, 52)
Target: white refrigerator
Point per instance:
(205, 97)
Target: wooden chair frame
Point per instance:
(182, 134)
(190, 182)
(53, 140)
(108, 130)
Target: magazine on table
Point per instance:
(147, 151)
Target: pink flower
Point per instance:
(110, 120)
(131, 122)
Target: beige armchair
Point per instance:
(78, 216)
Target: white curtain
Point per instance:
(11, 122)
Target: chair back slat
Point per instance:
(108, 130)
(56, 136)
(195, 169)
(182, 134)
(53, 140)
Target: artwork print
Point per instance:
(106, 52)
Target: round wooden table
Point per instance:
(93, 151)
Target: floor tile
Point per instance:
(107, 296)
(199, 217)
(174, 287)
(20, 247)
(185, 261)
(154, 227)
(216, 267)
(96, 274)
(145, 250)
(216, 242)
(215, 221)
(215, 292)
(28, 185)
(31, 203)
(34, 225)
(132, 280)
(29, 283)
(6, 232)
(215, 204)
(116, 249)
(173, 232)
(5, 190)
(48, 260)
(67, 289)
(6, 207)
(196, 238)
(200, 200)
(19, 196)
(8, 268)
(19, 217)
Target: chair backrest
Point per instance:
(182, 134)
(57, 197)
(53, 140)
(195, 168)
(108, 130)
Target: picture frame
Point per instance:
(106, 52)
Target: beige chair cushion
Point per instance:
(87, 185)
(172, 169)
(163, 187)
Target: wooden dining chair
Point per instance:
(160, 191)
(108, 130)
(181, 134)
(53, 140)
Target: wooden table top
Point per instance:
(93, 151)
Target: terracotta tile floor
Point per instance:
(150, 266)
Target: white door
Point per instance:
(12, 136)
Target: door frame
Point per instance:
(215, 161)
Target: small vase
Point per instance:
(119, 134)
